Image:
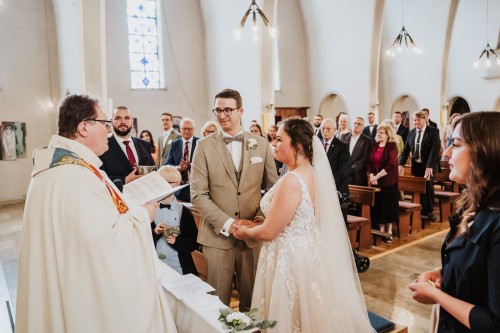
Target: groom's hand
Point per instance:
(238, 223)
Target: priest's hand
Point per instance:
(160, 228)
(151, 208)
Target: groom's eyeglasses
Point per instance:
(227, 111)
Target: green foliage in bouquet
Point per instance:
(238, 321)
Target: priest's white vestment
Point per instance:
(83, 266)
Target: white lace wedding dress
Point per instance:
(292, 285)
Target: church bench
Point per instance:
(414, 186)
(365, 197)
(200, 264)
(447, 201)
(406, 210)
(356, 226)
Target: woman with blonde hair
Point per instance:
(383, 169)
(344, 128)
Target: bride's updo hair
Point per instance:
(301, 133)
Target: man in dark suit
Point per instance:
(399, 128)
(423, 143)
(181, 155)
(359, 149)
(125, 152)
(317, 125)
(338, 155)
(429, 121)
(371, 130)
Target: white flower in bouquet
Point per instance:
(238, 318)
(238, 321)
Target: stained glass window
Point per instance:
(146, 69)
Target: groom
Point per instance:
(230, 168)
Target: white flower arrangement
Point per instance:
(238, 321)
(251, 143)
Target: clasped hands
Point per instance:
(240, 227)
(426, 287)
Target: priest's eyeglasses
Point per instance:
(227, 111)
(106, 123)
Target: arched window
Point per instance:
(146, 63)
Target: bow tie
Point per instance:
(164, 206)
(238, 138)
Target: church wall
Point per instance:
(28, 84)
(468, 40)
(339, 35)
(184, 58)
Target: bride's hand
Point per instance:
(241, 233)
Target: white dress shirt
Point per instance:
(124, 147)
(235, 149)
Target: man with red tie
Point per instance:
(181, 155)
(125, 152)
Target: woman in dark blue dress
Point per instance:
(466, 289)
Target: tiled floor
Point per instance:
(392, 267)
(10, 234)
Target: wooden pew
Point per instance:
(447, 195)
(364, 196)
(413, 186)
(198, 257)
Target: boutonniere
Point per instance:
(251, 143)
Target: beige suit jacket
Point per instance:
(164, 147)
(215, 191)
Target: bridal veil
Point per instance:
(340, 282)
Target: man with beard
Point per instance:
(317, 125)
(125, 152)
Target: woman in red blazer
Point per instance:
(383, 169)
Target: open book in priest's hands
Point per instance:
(149, 188)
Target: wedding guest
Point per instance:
(399, 128)
(423, 144)
(371, 129)
(337, 153)
(210, 127)
(125, 152)
(148, 137)
(256, 129)
(427, 116)
(398, 138)
(318, 119)
(181, 155)
(229, 171)
(359, 149)
(175, 248)
(86, 263)
(383, 173)
(465, 291)
(166, 138)
(344, 128)
(271, 133)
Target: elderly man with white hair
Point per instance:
(181, 155)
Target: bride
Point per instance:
(306, 278)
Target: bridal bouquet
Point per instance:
(238, 321)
